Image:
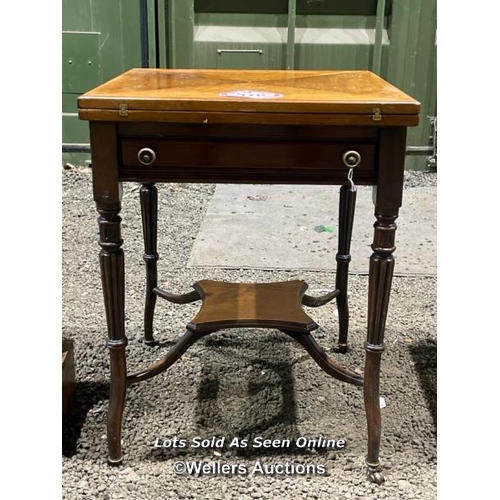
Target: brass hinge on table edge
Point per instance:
(377, 115)
(123, 110)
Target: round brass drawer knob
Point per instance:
(146, 156)
(351, 159)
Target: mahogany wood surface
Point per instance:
(149, 211)
(108, 195)
(266, 305)
(347, 205)
(244, 160)
(244, 154)
(291, 154)
(297, 132)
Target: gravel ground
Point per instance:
(282, 394)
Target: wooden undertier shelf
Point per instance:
(261, 305)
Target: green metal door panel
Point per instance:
(412, 65)
(242, 25)
(348, 57)
(81, 68)
(130, 45)
(69, 104)
(161, 33)
(101, 39)
(120, 46)
(309, 56)
(80, 72)
(77, 15)
(151, 38)
(424, 78)
(180, 17)
(74, 130)
(119, 28)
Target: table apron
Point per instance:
(246, 160)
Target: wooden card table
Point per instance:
(225, 126)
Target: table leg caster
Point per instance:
(116, 462)
(343, 348)
(374, 474)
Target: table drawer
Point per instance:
(240, 160)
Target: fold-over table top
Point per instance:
(250, 96)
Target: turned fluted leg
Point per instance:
(381, 271)
(347, 204)
(113, 284)
(149, 211)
